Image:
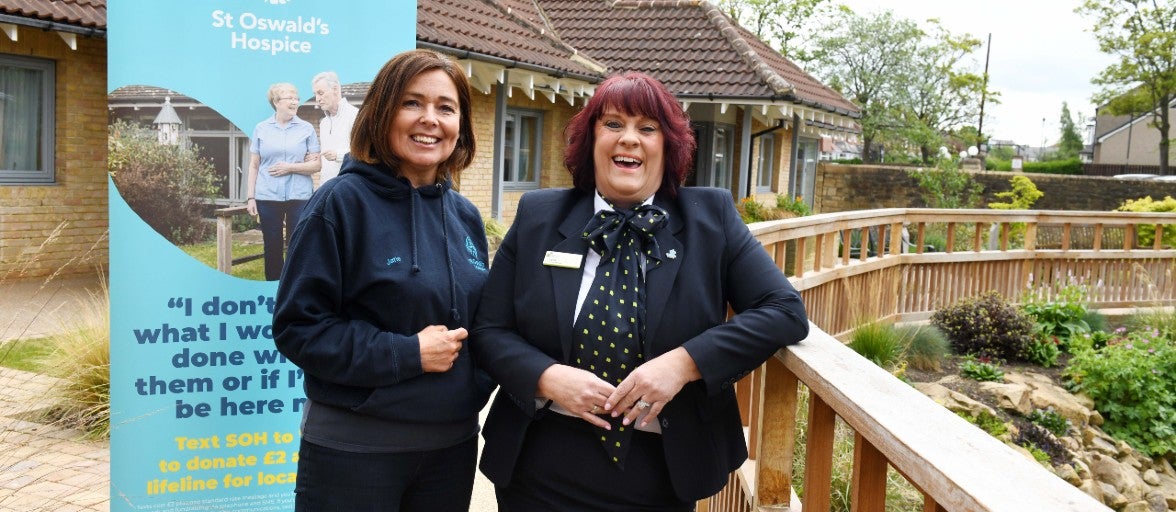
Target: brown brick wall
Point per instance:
(857, 187)
(62, 226)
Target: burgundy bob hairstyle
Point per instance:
(632, 94)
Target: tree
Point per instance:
(1142, 35)
(778, 22)
(868, 60)
(943, 94)
(1070, 143)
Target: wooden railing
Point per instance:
(224, 239)
(957, 466)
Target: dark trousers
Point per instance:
(277, 221)
(564, 468)
(432, 481)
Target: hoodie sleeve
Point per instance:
(310, 328)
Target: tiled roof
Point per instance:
(492, 29)
(81, 13)
(691, 46)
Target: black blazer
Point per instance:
(524, 324)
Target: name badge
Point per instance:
(562, 259)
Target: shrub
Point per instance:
(879, 343)
(1132, 381)
(926, 347)
(80, 356)
(946, 186)
(796, 205)
(987, 422)
(1037, 439)
(1043, 351)
(1062, 317)
(1147, 233)
(981, 370)
(1050, 420)
(985, 325)
(1022, 196)
(167, 186)
(1095, 320)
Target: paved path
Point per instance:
(47, 467)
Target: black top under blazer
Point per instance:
(524, 324)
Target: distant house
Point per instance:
(52, 137)
(1128, 139)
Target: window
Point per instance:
(522, 143)
(26, 120)
(767, 160)
(714, 159)
(724, 153)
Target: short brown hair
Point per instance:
(373, 123)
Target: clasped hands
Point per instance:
(640, 397)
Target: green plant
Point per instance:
(926, 347)
(1022, 196)
(167, 186)
(1095, 320)
(1043, 351)
(986, 422)
(796, 205)
(981, 370)
(880, 343)
(946, 186)
(205, 252)
(1050, 420)
(750, 210)
(985, 325)
(1041, 443)
(1132, 381)
(1063, 316)
(23, 354)
(80, 357)
(1147, 233)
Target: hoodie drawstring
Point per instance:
(449, 262)
(453, 312)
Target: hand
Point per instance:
(654, 383)
(439, 347)
(279, 169)
(329, 155)
(578, 391)
(251, 206)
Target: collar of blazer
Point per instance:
(658, 282)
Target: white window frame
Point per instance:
(766, 179)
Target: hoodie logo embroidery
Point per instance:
(473, 250)
(393, 261)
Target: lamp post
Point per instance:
(167, 123)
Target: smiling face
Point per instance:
(286, 103)
(426, 126)
(627, 157)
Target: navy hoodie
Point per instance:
(371, 262)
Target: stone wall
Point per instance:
(860, 187)
(61, 227)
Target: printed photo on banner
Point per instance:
(224, 117)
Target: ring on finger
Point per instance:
(595, 409)
(642, 405)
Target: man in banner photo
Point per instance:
(204, 409)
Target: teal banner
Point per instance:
(204, 410)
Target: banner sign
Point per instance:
(204, 410)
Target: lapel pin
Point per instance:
(673, 254)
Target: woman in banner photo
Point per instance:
(604, 321)
(383, 275)
(284, 153)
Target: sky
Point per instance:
(1042, 54)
